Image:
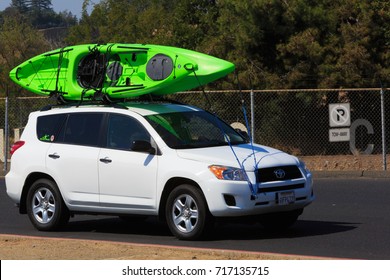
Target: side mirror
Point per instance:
(143, 146)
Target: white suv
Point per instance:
(174, 161)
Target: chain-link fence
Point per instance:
(343, 129)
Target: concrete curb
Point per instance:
(351, 174)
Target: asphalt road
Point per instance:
(349, 219)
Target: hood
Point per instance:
(245, 154)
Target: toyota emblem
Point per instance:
(280, 173)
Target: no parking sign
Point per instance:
(339, 114)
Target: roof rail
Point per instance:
(116, 103)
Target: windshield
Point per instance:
(194, 129)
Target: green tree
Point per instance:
(192, 21)
(123, 21)
(40, 5)
(19, 41)
(247, 34)
(41, 14)
(20, 5)
(274, 44)
(334, 43)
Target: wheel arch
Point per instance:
(27, 184)
(169, 186)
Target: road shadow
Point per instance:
(302, 228)
(149, 226)
(222, 231)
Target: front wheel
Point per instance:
(187, 213)
(45, 206)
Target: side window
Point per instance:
(123, 131)
(83, 129)
(49, 127)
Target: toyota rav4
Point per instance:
(174, 161)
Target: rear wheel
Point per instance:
(45, 206)
(187, 213)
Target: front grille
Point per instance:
(280, 188)
(278, 173)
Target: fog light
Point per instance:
(229, 200)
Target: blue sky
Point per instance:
(73, 6)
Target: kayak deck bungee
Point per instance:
(117, 71)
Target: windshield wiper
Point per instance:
(201, 145)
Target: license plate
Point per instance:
(285, 198)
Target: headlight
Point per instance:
(228, 173)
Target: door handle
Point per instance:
(54, 156)
(105, 160)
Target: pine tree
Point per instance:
(20, 5)
(24, 6)
(40, 5)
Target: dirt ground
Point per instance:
(29, 248)
(33, 248)
(344, 163)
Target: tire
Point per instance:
(45, 206)
(187, 213)
(280, 221)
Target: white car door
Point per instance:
(127, 178)
(72, 159)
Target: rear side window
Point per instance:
(82, 129)
(49, 127)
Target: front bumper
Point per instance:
(234, 198)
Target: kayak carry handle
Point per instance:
(16, 73)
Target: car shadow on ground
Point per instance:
(222, 231)
(115, 225)
(302, 228)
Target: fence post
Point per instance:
(252, 116)
(2, 157)
(384, 149)
(6, 134)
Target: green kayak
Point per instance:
(117, 71)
